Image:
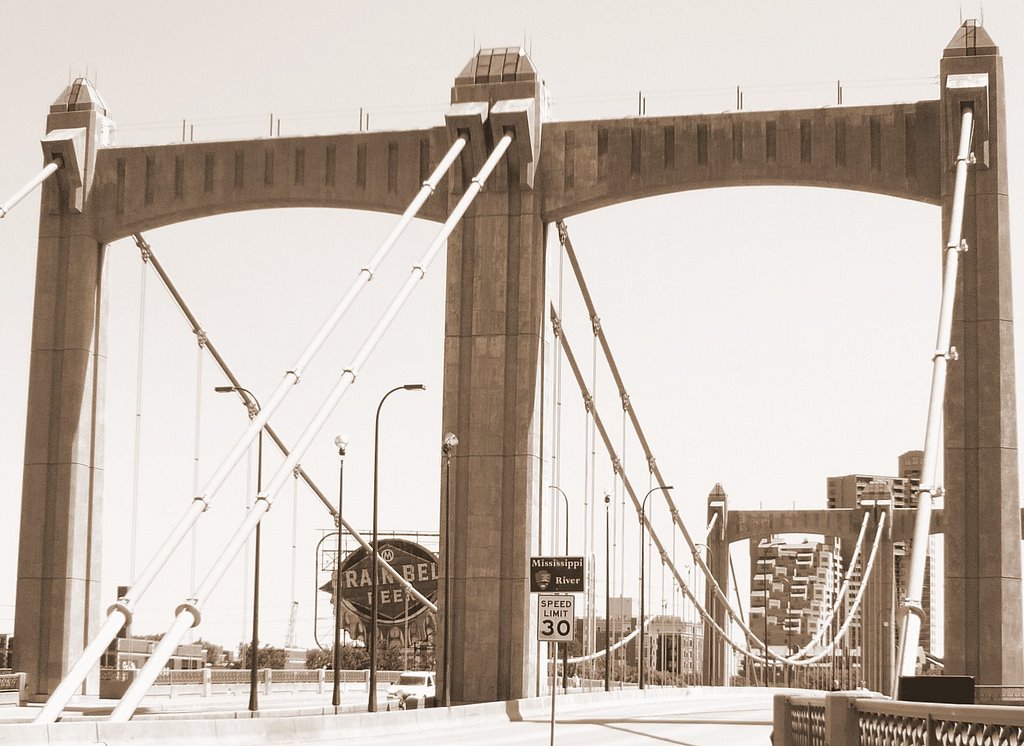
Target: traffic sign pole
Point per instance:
(554, 688)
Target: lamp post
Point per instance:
(607, 596)
(565, 648)
(372, 705)
(448, 444)
(342, 442)
(253, 408)
(566, 499)
(643, 517)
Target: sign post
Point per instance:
(556, 614)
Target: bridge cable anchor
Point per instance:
(125, 611)
(351, 372)
(369, 273)
(563, 232)
(204, 500)
(950, 355)
(191, 608)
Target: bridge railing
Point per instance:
(205, 682)
(852, 719)
(12, 688)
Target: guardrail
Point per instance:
(204, 682)
(853, 719)
(12, 688)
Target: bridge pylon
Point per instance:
(983, 629)
(714, 665)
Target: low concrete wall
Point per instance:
(309, 725)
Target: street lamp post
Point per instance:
(342, 442)
(565, 648)
(254, 408)
(643, 516)
(447, 446)
(372, 705)
(607, 596)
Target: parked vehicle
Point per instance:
(411, 685)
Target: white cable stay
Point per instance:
(121, 613)
(188, 614)
(911, 612)
(48, 170)
(206, 342)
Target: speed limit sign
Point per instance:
(556, 616)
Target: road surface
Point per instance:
(727, 718)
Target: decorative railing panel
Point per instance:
(808, 722)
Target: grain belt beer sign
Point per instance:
(417, 564)
(555, 616)
(556, 575)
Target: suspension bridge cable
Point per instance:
(841, 633)
(599, 425)
(563, 235)
(911, 611)
(121, 612)
(710, 621)
(841, 593)
(189, 612)
(138, 415)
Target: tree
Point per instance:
(214, 653)
(352, 658)
(266, 656)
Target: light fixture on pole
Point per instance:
(342, 443)
(565, 648)
(448, 444)
(372, 641)
(643, 516)
(253, 407)
(607, 595)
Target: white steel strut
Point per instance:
(121, 613)
(188, 614)
(911, 612)
(48, 170)
(206, 341)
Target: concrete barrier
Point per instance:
(307, 725)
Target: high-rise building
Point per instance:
(792, 589)
(849, 491)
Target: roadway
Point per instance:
(732, 717)
(687, 717)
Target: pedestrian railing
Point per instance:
(853, 719)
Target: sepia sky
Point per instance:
(769, 337)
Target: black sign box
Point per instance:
(556, 574)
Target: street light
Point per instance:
(566, 498)
(607, 596)
(448, 444)
(372, 705)
(565, 648)
(643, 517)
(342, 442)
(254, 408)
